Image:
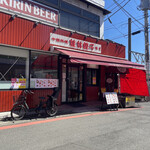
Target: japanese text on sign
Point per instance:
(111, 98)
(65, 41)
(18, 83)
(44, 83)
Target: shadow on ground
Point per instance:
(70, 109)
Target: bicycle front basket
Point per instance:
(18, 98)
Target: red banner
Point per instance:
(134, 83)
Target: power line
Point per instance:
(116, 6)
(117, 10)
(123, 36)
(122, 23)
(128, 13)
(110, 6)
(117, 29)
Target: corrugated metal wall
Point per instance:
(21, 32)
(24, 33)
(6, 98)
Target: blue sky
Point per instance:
(118, 30)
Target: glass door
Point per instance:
(74, 84)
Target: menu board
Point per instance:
(44, 83)
(111, 98)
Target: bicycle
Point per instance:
(51, 105)
(21, 107)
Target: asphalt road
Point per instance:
(120, 130)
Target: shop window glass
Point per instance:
(43, 66)
(89, 78)
(13, 73)
(92, 77)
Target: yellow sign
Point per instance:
(103, 90)
(130, 101)
(18, 83)
(94, 80)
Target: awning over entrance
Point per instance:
(85, 58)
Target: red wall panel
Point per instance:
(24, 33)
(6, 98)
(92, 93)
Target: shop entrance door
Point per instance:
(75, 84)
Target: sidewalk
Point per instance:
(66, 109)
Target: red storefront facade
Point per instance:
(83, 67)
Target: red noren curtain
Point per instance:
(134, 83)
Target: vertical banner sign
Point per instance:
(30, 9)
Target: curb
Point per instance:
(4, 115)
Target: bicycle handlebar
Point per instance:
(28, 92)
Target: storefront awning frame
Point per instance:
(86, 58)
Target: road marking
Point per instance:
(62, 118)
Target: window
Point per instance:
(48, 2)
(77, 19)
(43, 69)
(77, 23)
(70, 8)
(14, 69)
(92, 77)
(69, 21)
(90, 16)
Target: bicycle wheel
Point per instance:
(18, 112)
(52, 111)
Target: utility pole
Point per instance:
(146, 42)
(145, 6)
(129, 39)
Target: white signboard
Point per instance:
(84, 46)
(100, 3)
(30, 9)
(111, 98)
(45, 83)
